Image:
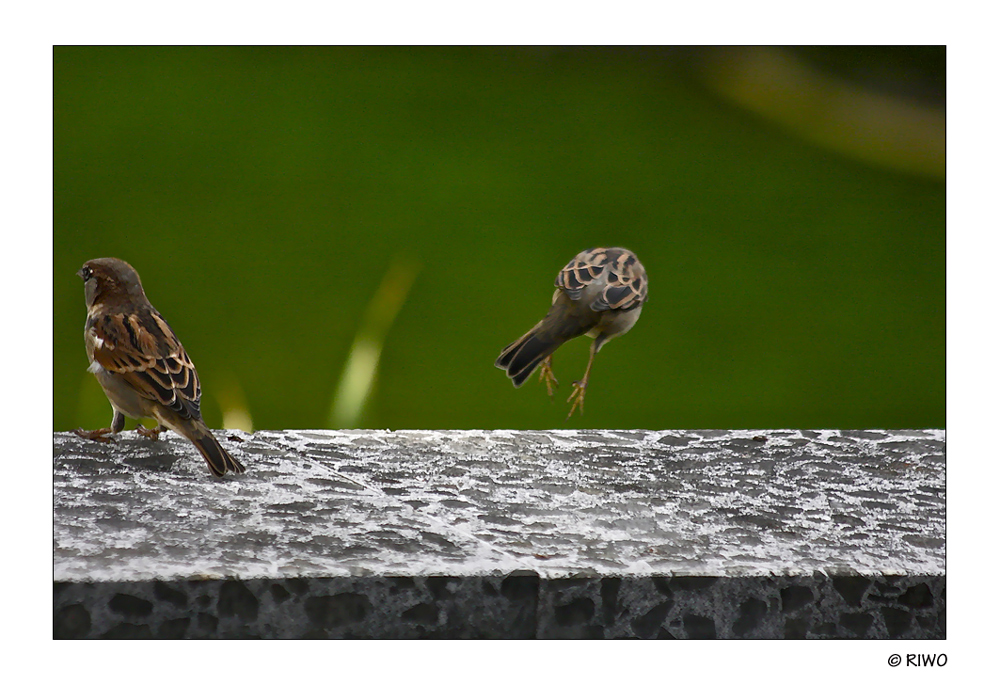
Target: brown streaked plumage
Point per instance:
(141, 365)
(600, 294)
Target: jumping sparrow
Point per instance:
(600, 293)
(140, 363)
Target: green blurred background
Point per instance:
(789, 207)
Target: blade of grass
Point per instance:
(235, 411)
(358, 377)
(877, 128)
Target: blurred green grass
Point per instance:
(262, 194)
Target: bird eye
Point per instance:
(86, 273)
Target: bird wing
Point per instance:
(626, 286)
(143, 349)
(583, 269)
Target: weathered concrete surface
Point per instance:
(504, 534)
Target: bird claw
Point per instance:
(576, 397)
(99, 435)
(545, 374)
(151, 433)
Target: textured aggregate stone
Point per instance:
(471, 534)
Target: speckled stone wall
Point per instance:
(504, 534)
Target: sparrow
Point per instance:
(141, 365)
(600, 294)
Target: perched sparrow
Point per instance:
(140, 363)
(600, 293)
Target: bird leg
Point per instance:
(151, 433)
(580, 387)
(100, 435)
(545, 374)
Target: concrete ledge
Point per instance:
(550, 534)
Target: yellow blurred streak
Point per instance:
(233, 403)
(877, 128)
(360, 369)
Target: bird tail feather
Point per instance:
(521, 357)
(219, 460)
